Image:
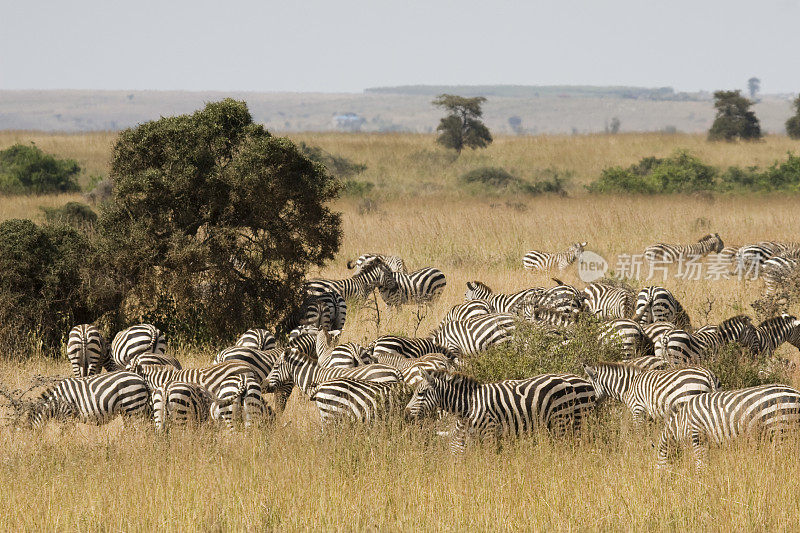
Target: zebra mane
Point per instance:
(472, 285)
(736, 318)
(775, 319)
(456, 379)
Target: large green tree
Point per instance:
(214, 222)
(793, 124)
(462, 127)
(734, 118)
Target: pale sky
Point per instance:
(346, 46)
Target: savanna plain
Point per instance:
(401, 476)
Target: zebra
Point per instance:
(353, 399)
(96, 399)
(262, 362)
(467, 310)
(138, 339)
(725, 415)
(563, 298)
(260, 339)
(535, 260)
(628, 336)
(779, 270)
(304, 338)
(750, 258)
(153, 359)
(326, 310)
(649, 393)
(608, 301)
(87, 350)
(411, 369)
(657, 304)
(347, 355)
(405, 347)
(498, 302)
(394, 262)
(469, 337)
(552, 317)
(549, 401)
(293, 368)
(180, 403)
(679, 347)
(655, 330)
(421, 286)
(359, 286)
(648, 362)
(671, 253)
(774, 331)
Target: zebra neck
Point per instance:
(458, 397)
(305, 374)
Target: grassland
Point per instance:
(400, 477)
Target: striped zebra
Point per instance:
(353, 399)
(260, 339)
(87, 350)
(750, 258)
(725, 415)
(774, 331)
(671, 253)
(679, 347)
(779, 271)
(514, 407)
(394, 262)
(655, 330)
(346, 355)
(608, 301)
(405, 347)
(262, 362)
(657, 304)
(153, 359)
(628, 336)
(469, 337)
(213, 378)
(181, 404)
(95, 399)
(648, 362)
(499, 302)
(358, 286)
(138, 339)
(304, 338)
(421, 286)
(293, 368)
(411, 369)
(467, 310)
(535, 260)
(562, 297)
(552, 317)
(649, 393)
(327, 310)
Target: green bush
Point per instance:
(737, 368)
(780, 176)
(72, 213)
(356, 188)
(495, 180)
(28, 170)
(793, 124)
(338, 166)
(680, 173)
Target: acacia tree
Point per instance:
(734, 119)
(213, 222)
(462, 127)
(793, 124)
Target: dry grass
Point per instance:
(402, 477)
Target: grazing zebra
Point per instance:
(628, 336)
(649, 393)
(679, 347)
(180, 403)
(563, 298)
(552, 317)
(608, 301)
(469, 337)
(260, 339)
(394, 262)
(304, 338)
(774, 331)
(87, 350)
(346, 355)
(405, 347)
(670, 253)
(359, 286)
(138, 339)
(722, 416)
(534, 260)
(327, 310)
(353, 399)
(153, 359)
(467, 310)
(750, 258)
(262, 362)
(655, 330)
(293, 368)
(498, 302)
(96, 399)
(421, 286)
(779, 270)
(728, 255)
(657, 304)
(550, 401)
(411, 369)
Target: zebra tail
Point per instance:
(558, 281)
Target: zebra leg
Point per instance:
(253, 405)
(639, 416)
(699, 449)
(459, 440)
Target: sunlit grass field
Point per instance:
(399, 476)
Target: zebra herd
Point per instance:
(661, 375)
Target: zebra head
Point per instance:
(712, 243)
(428, 396)
(49, 406)
(477, 290)
(576, 249)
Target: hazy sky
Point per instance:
(345, 46)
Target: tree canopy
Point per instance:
(213, 221)
(793, 124)
(462, 127)
(734, 118)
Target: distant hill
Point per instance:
(556, 109)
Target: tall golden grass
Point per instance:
(400, 477)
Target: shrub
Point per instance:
(737, 368)
(495, 180)
(780, 176)
(28, 170)
(338, 166)
(793, 124)
(680, 173)
(357, 188)
(72, 213)
(734, 119)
